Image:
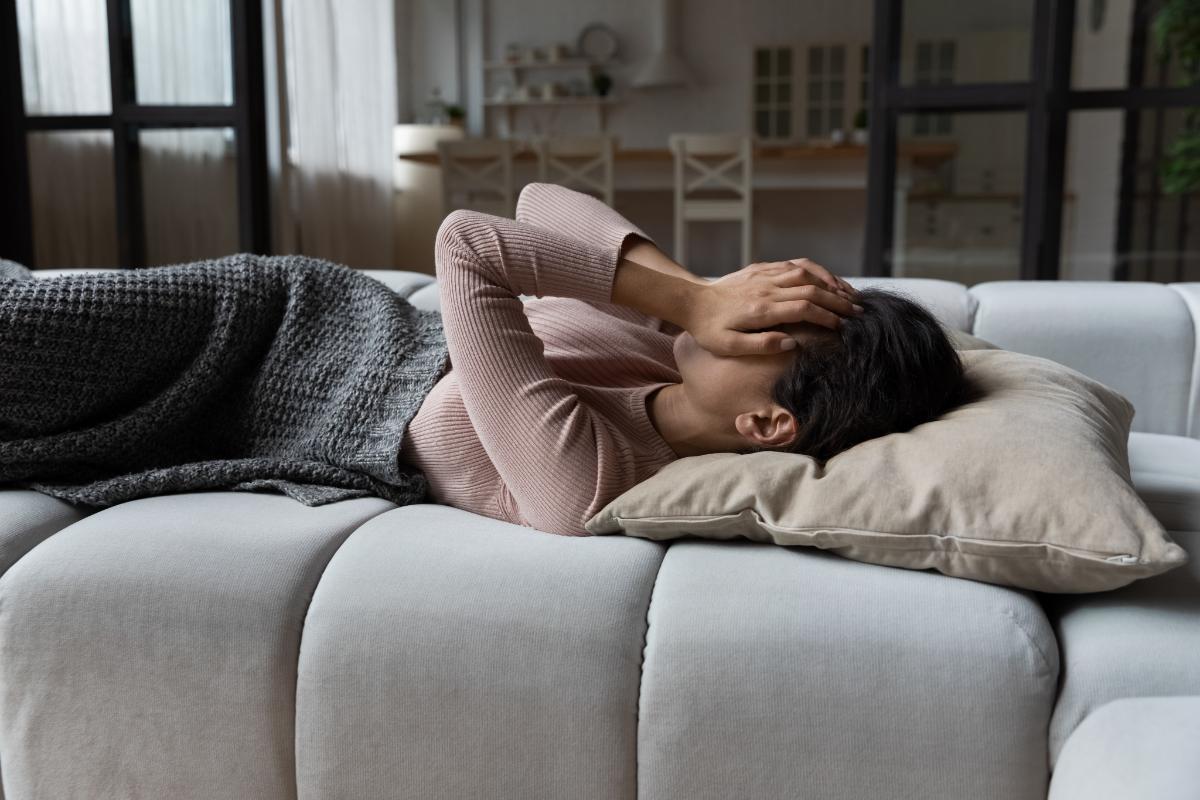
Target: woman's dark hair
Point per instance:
(884, 371)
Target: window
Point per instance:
(180, 103)
(934, 67)
(773, 92)
(825, 90)
(1072, 127)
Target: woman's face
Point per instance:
(723, 384)
(729, 385)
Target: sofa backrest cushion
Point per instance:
(1138, 338)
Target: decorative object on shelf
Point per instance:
(537, 82)
(456, 114)
(597, 42)
(665, 68)
(503, 92)
(435, 109)
(837, 136)
(602, 82)
(859, 134)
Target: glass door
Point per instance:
(1034, 139)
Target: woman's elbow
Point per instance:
(461, 233)
(560, 523)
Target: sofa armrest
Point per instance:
(1135, 747)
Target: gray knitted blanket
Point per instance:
(279, 373)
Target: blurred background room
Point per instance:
(1036, 139)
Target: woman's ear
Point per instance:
(775, 428)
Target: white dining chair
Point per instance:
(713, 182)
(477, 174)
(583, 163)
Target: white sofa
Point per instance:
(238, 645)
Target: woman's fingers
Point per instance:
(802, 311)
(834, 301)
(803, 304)
(826, 277)
(758, 344)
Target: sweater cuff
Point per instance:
(584, 273)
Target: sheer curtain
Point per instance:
(337, 89)
(72, 184)
(341, 94)
(182, 55)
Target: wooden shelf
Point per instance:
(557, 101)
(561, 64)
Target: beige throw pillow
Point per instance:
(1028, 486)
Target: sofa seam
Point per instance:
(1193, 417)
(300, 644)
(1031, 641)
(637, 715)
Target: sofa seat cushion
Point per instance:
(27, 518)
(1166, 474)
(1143, 748)
(149, 650)
(1139, 641)
(788, 672)
(446, 654)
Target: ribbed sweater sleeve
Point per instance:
(580, 216)
(554, 453)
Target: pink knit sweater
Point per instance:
(542, 419)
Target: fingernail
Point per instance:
(787, 344)
(857, 307)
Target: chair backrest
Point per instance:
(713, 164)
(705, 161)
(584, 163)
(477, 174)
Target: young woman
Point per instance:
(624, 361)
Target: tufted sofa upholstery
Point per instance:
(236, 645)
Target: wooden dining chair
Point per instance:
(713, 182)
(477, 174)
(584, 163)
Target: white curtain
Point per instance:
(64, 70)
(182, 54)
(341, 94)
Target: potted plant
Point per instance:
(456, 115)
(1177, 33)
(859, 135)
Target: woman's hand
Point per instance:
(729, 315)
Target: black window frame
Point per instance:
(1046, 99)
(246, 116)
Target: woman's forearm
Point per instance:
(645, 252)
(659, 292)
